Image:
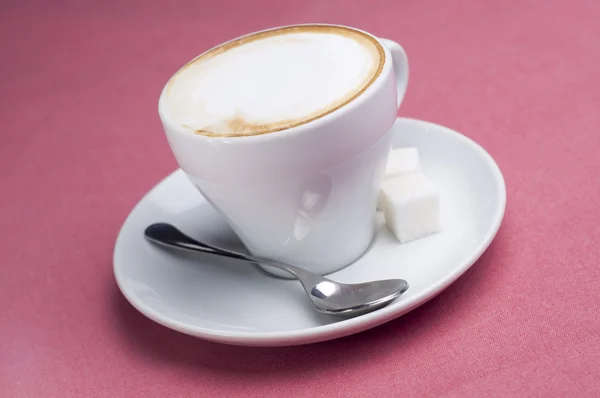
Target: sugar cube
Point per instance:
(400, 161)
(411, 206)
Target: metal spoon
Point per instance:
(325, 295)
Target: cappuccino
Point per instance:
(273, 80)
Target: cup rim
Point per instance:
(176, 128)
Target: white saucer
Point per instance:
(224, 301)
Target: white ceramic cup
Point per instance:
(305, 195)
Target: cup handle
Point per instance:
(400, 62)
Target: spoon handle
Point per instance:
(167, 235)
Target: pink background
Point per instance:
(81, 142)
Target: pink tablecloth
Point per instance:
(81, 142)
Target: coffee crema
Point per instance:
(273, 80)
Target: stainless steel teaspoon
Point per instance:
(325, 295)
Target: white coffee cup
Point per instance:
(307, 194)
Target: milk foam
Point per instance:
(272, 82)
